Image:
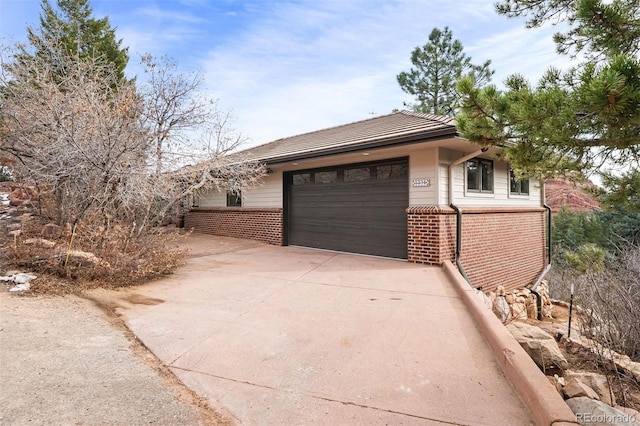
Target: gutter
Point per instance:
(458, 211)
(429, 135)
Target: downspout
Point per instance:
(548, 250)
(458, 211)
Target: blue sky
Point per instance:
(293, 66)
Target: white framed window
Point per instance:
(518, 187)
(479, 175)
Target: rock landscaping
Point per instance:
(601, 386)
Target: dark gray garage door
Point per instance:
(358, 208)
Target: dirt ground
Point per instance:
(66, 361)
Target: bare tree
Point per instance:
(172, 109)
(100, 147)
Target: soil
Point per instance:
(65, 360)
(625, 389)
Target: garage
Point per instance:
(357, 208)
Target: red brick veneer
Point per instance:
(264, 224)
(503, 246)
(431, 234)
(500, 246)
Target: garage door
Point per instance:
(358, 208)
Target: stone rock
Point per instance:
(596, 413)
(630, 411)
(14, 226)
(51, 230)
(532, 311)
(595, 381)
(40, 242)
(519, 311)
(84, 258)
(501, 309)
(500, 290)
(540, 346)
(510, 298)
(15, 233)
(524, 292)
(624, 362)
(18, 196)
(485, 299)
(575, 388)
(555, 382)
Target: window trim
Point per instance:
(479, 161)
(519, 193)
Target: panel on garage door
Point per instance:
(357, 208)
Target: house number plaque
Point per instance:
(422, 182)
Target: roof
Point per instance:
(398, 128)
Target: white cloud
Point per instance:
(303, 67)
(287, 67)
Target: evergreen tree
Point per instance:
(437, 66)
(579, 120)
(72, 29)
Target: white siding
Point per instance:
(431, 162)
(267, 194)
(422, 165)
(213, 199)
(500, 195)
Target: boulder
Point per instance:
(84, 258)
(18, 197)
(532, 308)
(540, 346)
(501, 308)
(519, 311)
(595, 381)
(591, 412)
(51, 230)
(555, 381)
(575, 388)
(630, 411)
(40, 242)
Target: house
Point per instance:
(402, 185)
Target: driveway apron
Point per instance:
(293, 336)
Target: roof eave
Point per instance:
(427, 136)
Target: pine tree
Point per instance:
(580, 120)
(72, 29)
(437, 66)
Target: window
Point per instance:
(234, 198)
(326, 177)
(392, 171)
(518, 187)
(302, 179)
(356, 175)
(480, 175)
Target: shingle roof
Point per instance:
(393, 129)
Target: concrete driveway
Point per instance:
(288, 335)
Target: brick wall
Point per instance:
(499, 245)
(503, 246)
(240, 222)
(431, 234)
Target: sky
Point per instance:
(286, 67)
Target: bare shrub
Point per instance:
(109, 160)
(610, 299)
